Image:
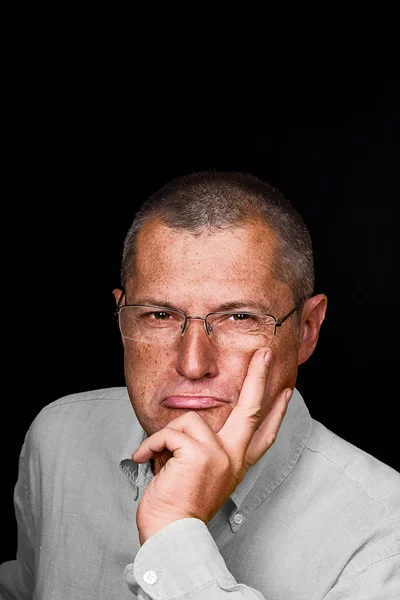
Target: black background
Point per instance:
(81, 164)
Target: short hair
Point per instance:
(207, 201)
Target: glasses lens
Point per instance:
(241, 330)
(152, 325)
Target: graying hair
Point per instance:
(214, 200)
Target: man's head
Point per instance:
(211, 242)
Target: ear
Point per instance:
(117, 293)
(312, 318)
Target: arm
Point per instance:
(17, 576)
(183, 561)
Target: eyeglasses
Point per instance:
(162, 325)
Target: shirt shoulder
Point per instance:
(371, 481)
(85, 419)
(103, 395)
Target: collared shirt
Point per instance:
(315, 519)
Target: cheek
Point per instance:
(145, 367)
(284, 367)
(235, 365)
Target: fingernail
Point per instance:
(288, 395)
(268, 357)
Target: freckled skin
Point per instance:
(197, 274)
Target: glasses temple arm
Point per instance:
(289, 314)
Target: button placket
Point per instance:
(236, 521)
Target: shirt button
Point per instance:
(150, 577)
(238, 519)
(129, 574)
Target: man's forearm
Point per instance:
(183, 560)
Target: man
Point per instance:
(218, 484)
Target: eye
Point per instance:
(160, 315)
(242, 321)
(157, 319)
(241, 317)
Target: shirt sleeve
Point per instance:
(182, 560)
(17, 576)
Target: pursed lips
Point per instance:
(194, 402)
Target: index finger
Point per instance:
(239, 428)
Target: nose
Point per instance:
(196, 354)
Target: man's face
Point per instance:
(199, 275)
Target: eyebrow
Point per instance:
(254, 305)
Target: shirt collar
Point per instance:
(274, 466)
(138, 474)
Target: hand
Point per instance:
(205, 467)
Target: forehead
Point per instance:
(204, 269)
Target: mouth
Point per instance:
(195, 402)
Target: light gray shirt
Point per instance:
(315, 519)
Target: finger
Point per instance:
(244, 418)
(267, 432)
(165, 439)
(193, 425)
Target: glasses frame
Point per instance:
(207, 326)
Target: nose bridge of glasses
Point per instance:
(195, 317)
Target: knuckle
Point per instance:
(262, 377)
(203, 457)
